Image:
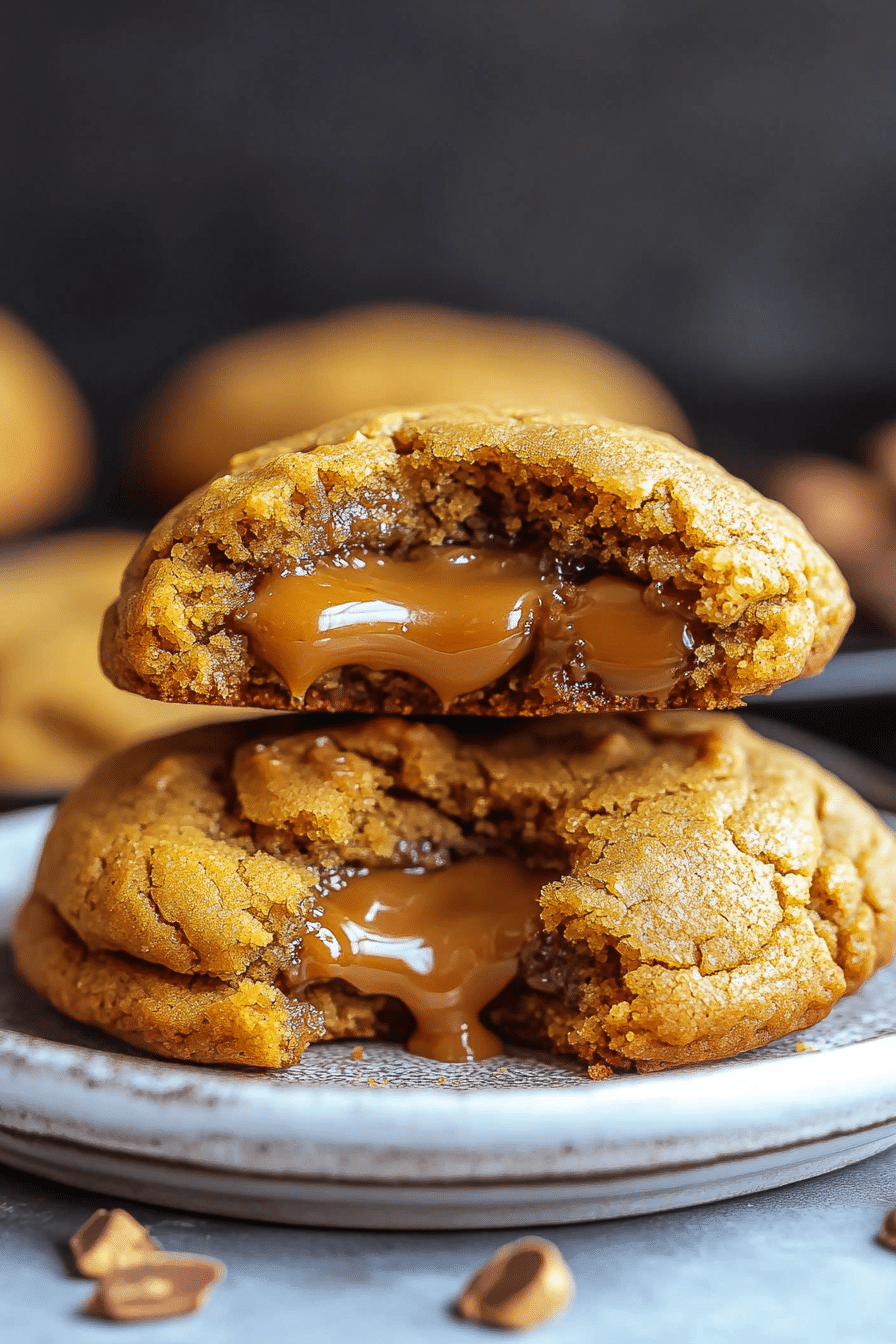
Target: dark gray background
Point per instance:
(711, 185)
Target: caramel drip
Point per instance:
(443, 942)
(459, 618)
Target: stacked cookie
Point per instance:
(494, 812)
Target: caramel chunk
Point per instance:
(110, 1240)
(524, 1284)
(887, 1232)
(630, 636)
(166, 1285)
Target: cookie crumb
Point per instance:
(440, 1079)
(524, 1284)
(498, 1072)
(164, 1285)
(110, 1240)
(358, 1052)
(599, 1073)
(887, 1232)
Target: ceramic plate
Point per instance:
(398, 1142)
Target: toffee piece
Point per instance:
(523, 1285)
(490, 562)
(109, 1240)
(165, 1285)
(638, 891)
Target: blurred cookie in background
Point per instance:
(46, 433)
(850, 510)
(58, 713)
(269, 383)
(879, 451)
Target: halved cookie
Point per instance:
(482, 561)
(637, 892)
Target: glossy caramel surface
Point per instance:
(459, 618)
(444, 942)
(635, 647)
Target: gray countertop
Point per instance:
(795, 1264)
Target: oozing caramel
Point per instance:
(456, 618)
(627, 639)
(443, 942)
(460, 617)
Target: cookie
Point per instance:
(487, 562)
(59, 715)
(879, 451)
(637, 891)
(266, 384)
(46, 433)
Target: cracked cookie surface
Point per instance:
(768, 603)
(713, 890)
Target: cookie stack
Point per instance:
(497, 810)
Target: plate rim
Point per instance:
(641, 1124)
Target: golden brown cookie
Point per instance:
(46, 433)
(703, 891)
(661, 580)
(266, 384)
(58, 714)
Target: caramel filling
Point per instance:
(443, 942)
(454, 617)
(460, 617)
(626, 638)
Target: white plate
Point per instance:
(519, 1140)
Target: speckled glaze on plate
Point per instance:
(398, 1142)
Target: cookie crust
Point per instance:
(713, 890)
(770, 603)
